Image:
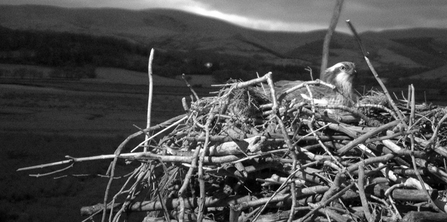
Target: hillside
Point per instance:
(439, 74)
(167, 29)
(429, 45)
(396, 53)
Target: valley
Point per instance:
(73, 82)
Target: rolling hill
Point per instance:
(176, 30)
(439, 74)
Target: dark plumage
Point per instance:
(341, 75)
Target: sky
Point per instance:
(289, 15)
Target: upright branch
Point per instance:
(149, 99)
(327, 38)
(382, 85)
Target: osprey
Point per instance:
(341, 75)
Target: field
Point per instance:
(44, 121)
(76, 110)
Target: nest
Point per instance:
(240, 156)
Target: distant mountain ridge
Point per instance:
(177, 30)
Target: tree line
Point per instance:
(64, 49)
(82, 52)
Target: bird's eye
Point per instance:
(342, 68)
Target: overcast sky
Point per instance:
(289, 15)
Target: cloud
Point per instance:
(313, 14)
(377, 14)
(289, 15)
(128, 4)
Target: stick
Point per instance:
(413, 159)
(159, 132)
(239, 85)
(326, 202)
(304, 84)
(190, 87)
(110, 156)
(327, 38)
(201, 160)
(361, 187)
(366, 136)
(365, 56)
(149, 99)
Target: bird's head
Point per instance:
(340, 73)
(342, 76)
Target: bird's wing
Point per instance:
(302, 94)
(320, 93)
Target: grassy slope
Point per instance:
(42, 122)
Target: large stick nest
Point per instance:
(242, 156)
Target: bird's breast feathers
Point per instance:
(344, 82)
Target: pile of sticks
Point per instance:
(244, 156)
(239, 157)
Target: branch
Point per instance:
(327, 38)
(385, 90)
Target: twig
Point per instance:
(431, 142)
(262, 85)
(190, 87)
(112, 169)
(160, 132)
(115, 159)
(53, 172)
(121, 191)
(309, 69)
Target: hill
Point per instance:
(167, 29)
(432, 42)
(439, 74)
(395, 53)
